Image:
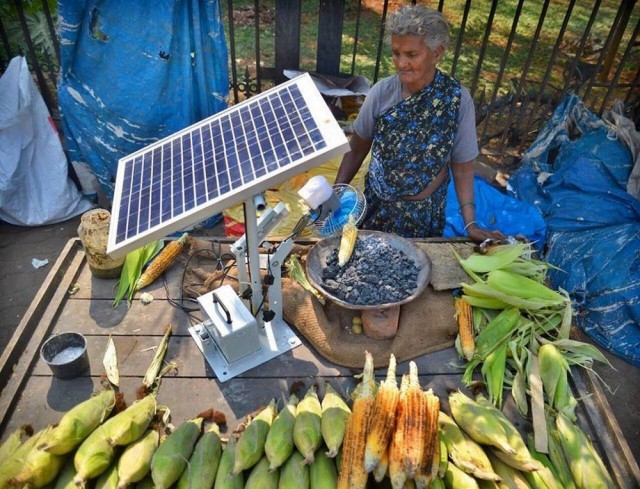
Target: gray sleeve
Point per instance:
(364, 125)
(465, 146)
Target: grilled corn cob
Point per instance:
(261, 477)
(307, 428)
(78, 423)
(279, 443)
(322, 472)
(204, 461)
(383, 418)
(135, 461)
(347, 241)
(381, 470)
(224, 477)
(171, 457)
(414, 423)
(463, 451)
(335, 413)
(352, 474)
(464, 317)
(161, 262)
(250, 446)
(397, 474)
(430, 462)
(294, 473)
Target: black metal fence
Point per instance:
(518, 57)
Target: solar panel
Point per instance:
(225, 159)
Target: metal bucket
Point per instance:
(317, 261)
(66, 355)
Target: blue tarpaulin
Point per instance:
(135, 72)
(576, 174)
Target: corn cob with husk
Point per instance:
(108, 479)
(203, 464)
(397, 473)
(296, 272)
(161, 262)
(465, 453)
(511, 477)
(153, 371)
(12, 466)
(443, 454)
(66, 476)
(557, 458)
(224, 478)
(279, 443)
(554, 370)
(466, 333)
(479, 422)
(146, 483)
(383, 418)
(129, 425)
(307, 428)
(135, 462)
(430, 461)
(94, 455)
(322, 472)
(250, 447)
(294, 473)
(347, 241)
(586, 466)
(546, 477)
(261, 477)
(172, 456)
(455, 478)
(78, 423)
(14, 440)
(335, 413)
(437, 483)
(352, 474)
(39, 468)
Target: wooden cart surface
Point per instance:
(30, 394)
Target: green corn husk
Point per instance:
(294, 473)
(204, 461)
(67, 474)
(172, 456)
(224, 477)
(586, 466)
(279, 443)
(511, 478)
(523, 287)
(335, 413)
(484, 290)
(479, 422)
(146, 483)
(151, 375)
(307, 430)
(296, 272)
(455, 478)
(554, 370)
(557, 458)
(12, 466)
(437, 483)
(250, 446)
(132, 269)
(465, 453)
(78, 423)
(500, 257)
(492, 370)
(444, 456)
(261, 477)
(93, 457)
(39, 469)
(13, 441)
(323, 473)
(135, 462)
(108, 479)
(485, 302)
(129, 425)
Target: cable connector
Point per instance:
(269, 279)
(268, 316)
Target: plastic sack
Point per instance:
(576, 173)
(132, 73)
(35, 188)
(495, 211)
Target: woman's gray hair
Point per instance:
(418, 20)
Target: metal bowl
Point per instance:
(319, 252)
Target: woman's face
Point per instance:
(415, 62)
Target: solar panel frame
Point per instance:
(148, 178)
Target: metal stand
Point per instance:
(224, 337)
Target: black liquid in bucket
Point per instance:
(66, 355)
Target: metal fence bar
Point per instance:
(5, 45)
(463, 26)
(483, 48)
(634, 85)
(256, 6)
(355, 40)
(380, 40)
(232, 52)
(503, 64)
(52, 29)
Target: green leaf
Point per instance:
(132, 269)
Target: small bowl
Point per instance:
(66, 355)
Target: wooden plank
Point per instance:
(287, 49)
(330, 23)
(22, 350)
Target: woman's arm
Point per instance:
(352, 161)
(463, 180)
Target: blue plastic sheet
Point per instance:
(576, 174)
(135, 72)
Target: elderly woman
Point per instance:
(416, 123)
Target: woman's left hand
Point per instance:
(479, 234)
